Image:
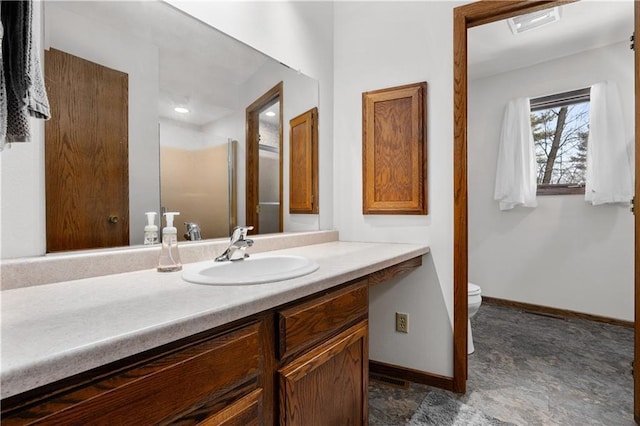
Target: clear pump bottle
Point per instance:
(169, 260)
(151, 230)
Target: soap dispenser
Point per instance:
(169, 260)
(151, 230)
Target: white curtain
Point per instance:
(609, 178)
(516, 171)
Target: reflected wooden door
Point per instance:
(253, 199)
(86, 154)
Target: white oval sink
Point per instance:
(252, 270)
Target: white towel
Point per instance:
(609, 176)
(516, 170)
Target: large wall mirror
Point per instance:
(184, 88)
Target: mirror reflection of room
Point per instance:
(170, 62)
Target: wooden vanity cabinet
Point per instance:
(311, 371)
(216, 381)
(304, 363)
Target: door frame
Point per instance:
(636, 327)
(465, 17)
(252, 196)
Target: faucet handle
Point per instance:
(240, 233)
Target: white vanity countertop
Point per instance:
(53, 331)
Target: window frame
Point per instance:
(553, 101)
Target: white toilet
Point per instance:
(475, 299)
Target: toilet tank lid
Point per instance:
(473, 288)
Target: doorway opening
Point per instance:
(264, 163)
(465, 17)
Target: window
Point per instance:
(560, 125)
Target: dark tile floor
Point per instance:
(531, 369)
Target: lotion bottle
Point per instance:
(151, 230)
(169, 260)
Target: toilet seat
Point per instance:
(473, 289)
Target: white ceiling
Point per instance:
(584, 25)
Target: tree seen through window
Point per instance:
(560, 135)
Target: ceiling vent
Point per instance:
(530, 21)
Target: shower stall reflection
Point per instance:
(198, 180)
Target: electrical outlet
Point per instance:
(402, 322)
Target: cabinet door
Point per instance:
(328, 385)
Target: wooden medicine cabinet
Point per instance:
(303, 168)
(394, 150)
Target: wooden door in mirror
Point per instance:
(394, 150)
(303, 166)
(86, 154)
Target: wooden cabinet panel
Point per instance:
(245, 412)
(162, 390)
(385, 274)
(328, 385)
(303, 164)
(306, 324)
(394, 150)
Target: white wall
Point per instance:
(565, 253)
(186, 136)
(379, 45)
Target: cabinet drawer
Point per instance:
(247, 411)
(303, 325)
(160, 390)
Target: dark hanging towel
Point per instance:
(3, 89)
(22, 90)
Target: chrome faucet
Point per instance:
(193, 232)
(238, 245)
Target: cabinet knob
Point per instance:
(113, 219)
